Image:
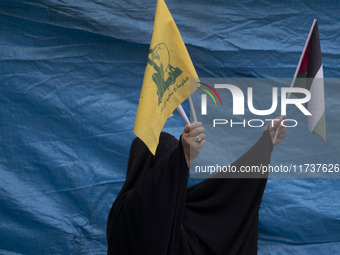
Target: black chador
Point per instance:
(155, 212)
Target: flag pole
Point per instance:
(192, 109)
(184, 115)
(296, 72)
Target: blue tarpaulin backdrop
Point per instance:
(70, 78)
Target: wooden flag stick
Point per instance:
(296, 72)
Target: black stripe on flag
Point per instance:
(314, 55)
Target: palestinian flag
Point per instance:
(311, 68)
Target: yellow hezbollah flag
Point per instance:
(167, 77)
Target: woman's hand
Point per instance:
(273, 126)
(193, 139)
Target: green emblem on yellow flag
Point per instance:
(166, 81)
(159, 59)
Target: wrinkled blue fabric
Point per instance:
(70, 80)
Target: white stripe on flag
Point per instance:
(316, 105)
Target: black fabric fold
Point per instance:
(155, 212)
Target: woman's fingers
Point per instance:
(192, 126)
(197, 135)
(281, 132)
(272, 128)
(276, 123)
(197, 131)
(193, 139)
